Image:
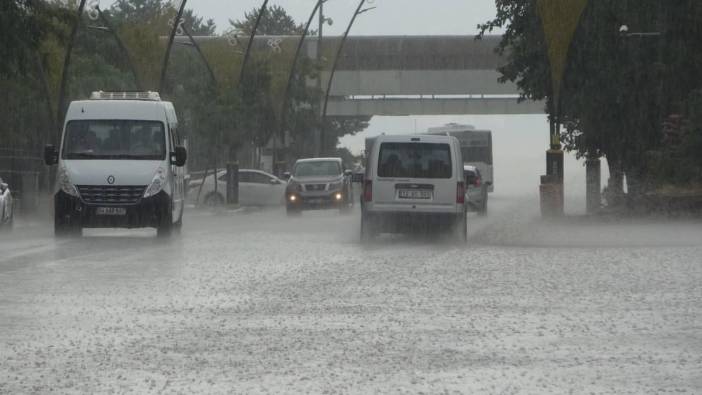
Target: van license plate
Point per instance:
(414, 194)
(111, 211)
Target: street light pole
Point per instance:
(284, 110)
(64, 73)
(320, 129)
(252, 35)
(122, 48)
(202, 56)
(176, 23)
(359, 11)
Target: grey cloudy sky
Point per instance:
(391, 17)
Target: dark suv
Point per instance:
(318, 183)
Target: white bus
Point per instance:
(476, 147)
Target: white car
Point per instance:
(6, 205)
(120, 164)
(256, 188)
(414, 182)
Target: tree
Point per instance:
(275, 22)
(23, 26)
(617, 89)
(197, 26)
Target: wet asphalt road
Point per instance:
(254, 302)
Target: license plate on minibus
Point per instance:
(111, 211)
(414, 194)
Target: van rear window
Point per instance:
(414, 160)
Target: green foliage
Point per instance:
(617, 89)
(219, 116)
(275, 22)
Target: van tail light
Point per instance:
(368, 191)
(477, 182)
(461, 193)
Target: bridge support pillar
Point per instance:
(551, 188)
(593, 179)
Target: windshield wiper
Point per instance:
(82, 155)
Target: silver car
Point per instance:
(6, 205)
(476, 190)
(318, 183)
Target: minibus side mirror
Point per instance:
(50, 155)
(180, 156)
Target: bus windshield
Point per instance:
(114, 139)
(477, 154)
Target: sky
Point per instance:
(391, 17)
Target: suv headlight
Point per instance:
(335, 186)
(157, 183)
(64, 182)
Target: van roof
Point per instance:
(318, 160)
(120, 109)
(414, 138)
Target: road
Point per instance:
(251, 301)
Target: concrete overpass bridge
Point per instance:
(411, 75)
(420, 75)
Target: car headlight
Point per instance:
(64, 182)
(157, 183)
(335, 185)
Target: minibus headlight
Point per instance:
(157, 183)
(64, 182)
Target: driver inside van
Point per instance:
(87, 142)
(158, 146)
(392, 166)
(142, 144)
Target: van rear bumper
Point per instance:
(148, 212)
(412, 209)
(406, 221)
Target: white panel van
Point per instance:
(414, 181)
(120, 164)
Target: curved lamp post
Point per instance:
(199, 52)
(359, 10)
(242, 72)
(122, 47)
(176, 24)
(293, 68)
(47, 95)
(66, 63)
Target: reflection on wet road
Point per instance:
(254, 301)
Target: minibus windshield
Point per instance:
(114, 139)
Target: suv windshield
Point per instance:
(317, 168)
(414, 160)
(114, 139)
